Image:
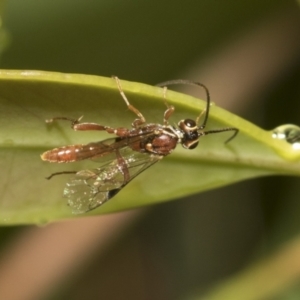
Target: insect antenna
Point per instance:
(236, 131)
(205, 112)
(194, 83)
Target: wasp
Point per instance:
(128, 154)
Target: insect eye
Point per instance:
(190, 144)
(189, 123)
(194, 145)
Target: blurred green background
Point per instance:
(247, 52)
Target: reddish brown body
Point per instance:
(73, 153)
(127, 155)
(141, 140)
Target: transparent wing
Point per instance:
(88, 189)
(106, 150)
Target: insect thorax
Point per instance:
(161, 141)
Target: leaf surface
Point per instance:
(27, 98)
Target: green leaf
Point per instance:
(27, 98)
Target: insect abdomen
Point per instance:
(70, 153)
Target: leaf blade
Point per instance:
(27, 98)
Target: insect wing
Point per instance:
(88, 189)
(107, 149)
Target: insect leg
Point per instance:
(77, 126)
(61, 173)
(73, 121)
(182, 81)
(141, 119)
(123, 166)
(170, 108)
(203, 112)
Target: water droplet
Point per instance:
(290, 133)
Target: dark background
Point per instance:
(247, 52)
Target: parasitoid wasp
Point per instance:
(127, 155)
